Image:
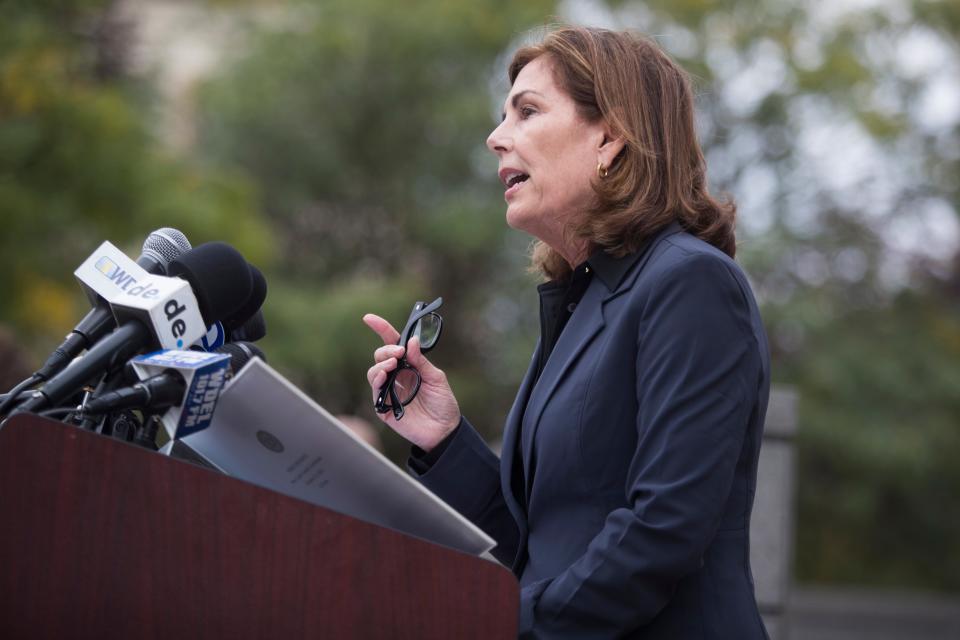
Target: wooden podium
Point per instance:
(101, 539)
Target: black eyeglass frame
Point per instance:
(412, 327)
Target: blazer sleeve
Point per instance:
(697, 378)
(467, 477)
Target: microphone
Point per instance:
(250, 331)
(167, 312)
(241, 353)
(168, 388)
(250, 313)
(160, 247)
(220, 277)
(247, 324)
(156, 392)
(187, 384)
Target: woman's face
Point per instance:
(548, 154)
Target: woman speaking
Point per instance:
(623, 494)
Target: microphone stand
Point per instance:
(123, 425)
(146, 435)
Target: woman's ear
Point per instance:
(609, 149)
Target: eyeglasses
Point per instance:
(403, 383)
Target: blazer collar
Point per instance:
(612, 271)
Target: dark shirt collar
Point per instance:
(611, 270)
(578, 279)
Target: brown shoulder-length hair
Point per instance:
(644, 97)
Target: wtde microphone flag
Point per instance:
(168, 305)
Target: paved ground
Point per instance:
(849, 614)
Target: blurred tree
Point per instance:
(364, 123)
(358, 128)
(837, 129)
(80, 164)
(880, 437)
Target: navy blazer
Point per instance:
(639, 450)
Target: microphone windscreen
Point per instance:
(252, 330)
(220, 278)
(257, 295)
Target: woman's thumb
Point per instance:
(415, 357)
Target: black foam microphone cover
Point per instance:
(257, 295)
(220, 278)
(250, 331)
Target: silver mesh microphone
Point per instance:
(162, 246)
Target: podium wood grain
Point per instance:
(102, 539)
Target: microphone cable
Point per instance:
(10, 398)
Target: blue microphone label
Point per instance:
(202, 400)
(216, 336)
(181, 359)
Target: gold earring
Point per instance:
(602, 171)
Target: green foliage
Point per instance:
(364, 123)
(861, 321)
(879, 476)
(79, 164)
(342, 149)
(314, 329)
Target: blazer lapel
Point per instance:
(585, 323)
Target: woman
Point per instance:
(622, 499)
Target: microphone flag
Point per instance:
(205, 375)
(167, 305)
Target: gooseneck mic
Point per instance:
(219, 278)
(160, 247)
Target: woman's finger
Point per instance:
(373, 373)
(379, 377)
(382, 328)
(388, 351)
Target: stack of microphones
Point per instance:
(165, 333)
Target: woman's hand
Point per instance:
(434, 412)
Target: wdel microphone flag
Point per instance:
(204, 374)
